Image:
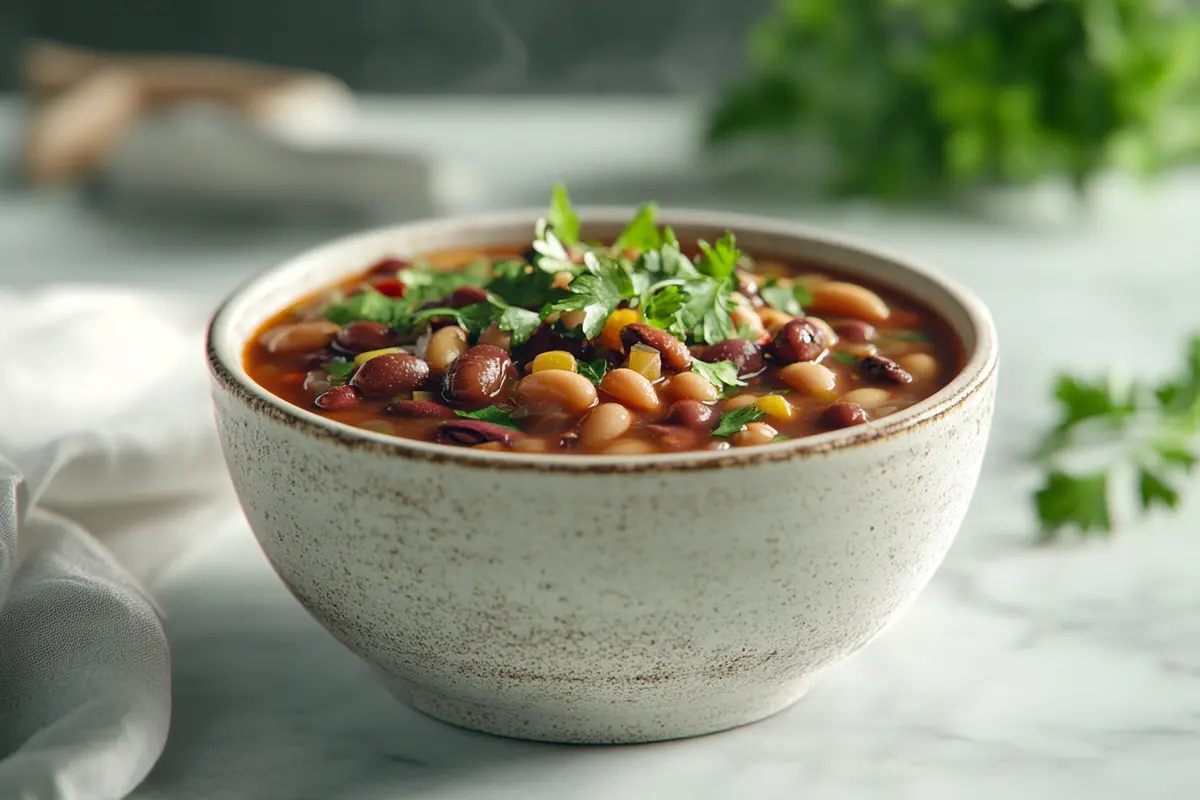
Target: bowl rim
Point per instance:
(225, 351)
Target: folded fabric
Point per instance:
(109, 466)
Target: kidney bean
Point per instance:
(674, 353)
(855, 330)
(477, 375)
(339, 398)
(674, 437)
(361, 336)
(423, 409)
(465, 296)
(843, 415)
(470, 432)
(693, 414)
(745, 355)
(389, 266)
(748, 286)
(799, 340)
(390, 374)
(878, 369)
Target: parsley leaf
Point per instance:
(598, 292)
(520, 284)
(562, 217)
(475, 318)
(706, 311)
(721, 374)
(550, 255)
(1069, 500)
(593, 370)
(1152, 489)
(734, 421)
(339, 368)
(424, 284)
(640, 233)
(519, 322)
(788, 299)
(371, 305)
(719, 259)
(492, 414)
(845, 358)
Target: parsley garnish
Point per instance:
(788, 299)
(520, 284)
(1128, 430)
(339, 368)
(720, 258)
(593, 370)
(492, 414)
(641, 232)
(562, 218)
(721, 374)
(475, 318)
(845, 358)
(519, 322)
(370, 305)
(598, 292)
(734, 421)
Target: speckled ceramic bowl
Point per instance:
(602, 598)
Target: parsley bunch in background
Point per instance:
(914, 98)
(1109, 432)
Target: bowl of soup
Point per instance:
(606, 475)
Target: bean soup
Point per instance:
(641, 345)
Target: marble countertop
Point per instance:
(1070, 671)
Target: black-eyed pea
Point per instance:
(741, 401)
(922, 366)
(557, 389)
(629, 447)
(841, 299)
(603, 424)
(811, 378)
(754, 433)
(445, 345)
(299, 337)
(631, 389)
(496, 337)
(868, 397)
(773, 319)
(692, 386)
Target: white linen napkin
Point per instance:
(109, 466)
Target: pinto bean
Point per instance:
(421, 409)
(843, 415)
(745, 355)
(465, 296)
(553, 389)
(389, 374)
(630, 388)
(339, 398)
(855, 330)
(471, 432)
(445, 345)
(754, 433)
(299, 337)
(842, 299)
(692, 386)
(693, 414)
(603, 424)
(748, 286)
(477, 375)
(364, 336)
(674, 353)
(878, 369)
(799, 340)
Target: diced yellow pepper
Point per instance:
(363, 358)
(775, 406)
(423, 397)
(553, 359)
(645, 361)
(610, 336)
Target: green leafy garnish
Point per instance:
(640, 233)
(593, 370)
(721, 374)
(1127, 429)
(339, 368)
(562, 218)
(788, 299)
(719, 259)
(598, 292)
(734, 421)
(475, 318)
(424, 284)
(520, 284)
(371, 305)
(845, 358)
(519, 322)
(492, 414)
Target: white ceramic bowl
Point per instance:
(602, 598)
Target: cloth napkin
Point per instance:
(109, 467)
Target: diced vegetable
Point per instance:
(646, 361)
(554, 359)
(363, 358)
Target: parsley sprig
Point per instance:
(1109, 432)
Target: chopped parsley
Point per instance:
(339, 367)
(593, 370)
(788, 299)
(492, 414)
(734, 421)
(562, 218)
(641, 233)
(845, 358)
(721, 374)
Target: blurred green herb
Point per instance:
(913, 98)
(492, 414)
(1150, 436)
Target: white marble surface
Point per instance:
(1072, 671)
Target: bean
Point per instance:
(748, 286)
(869, 397)
(693, 414)
(604, 423)
(386, 375)
(754, 433)
(859, 349)
(471, 432)
(629, 447)
(317, 382)
(674, 353)
(339, 398)
(554, 389)
(922, 366)
(465, 296)
(572, 319)
(530, 444)
(744, 316)
(799, 340)
(630, 388)
(745, 355)
(855, 330)
(811, 378)
(692, 386)
(774, 319)
(878, 369)
(843, 415)
(299, 337)
(675, 437)
(445, 345)
(477, 376)
(496, 337)
(831, 337)
(562, 280)
(420, 409)
(363, 336)
(841, 299)
(741, 401)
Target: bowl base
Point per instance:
(598, 725)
